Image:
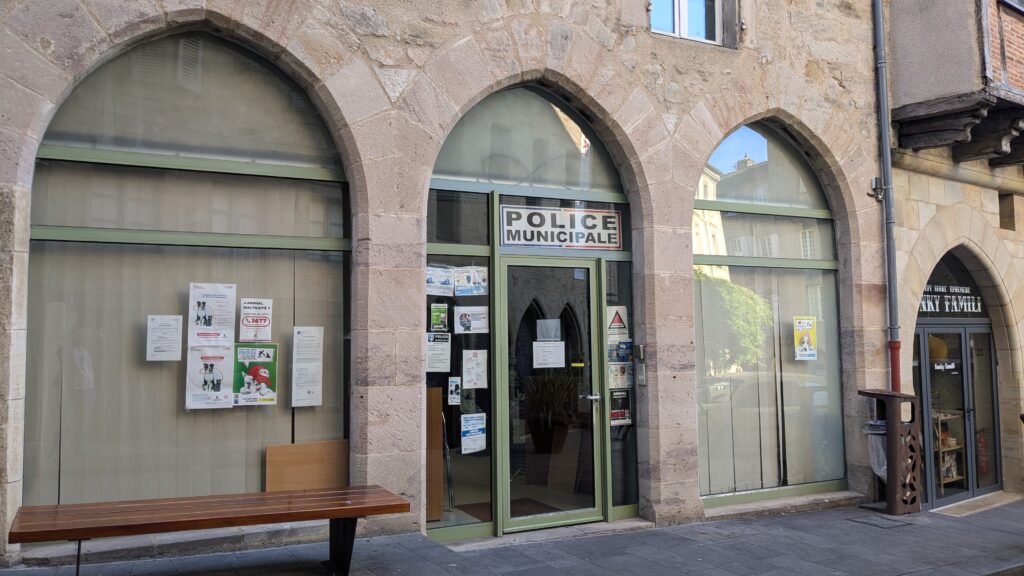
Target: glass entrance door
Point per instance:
(958, 388)
(554, 401)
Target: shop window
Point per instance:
(767, 332)
(185, 160)
(705, 20)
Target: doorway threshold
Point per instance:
(551, 534)
(979, 504)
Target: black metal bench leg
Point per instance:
(343, 535)
(78, 558)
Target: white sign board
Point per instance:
(561, 228)
(254, 322)
(163, 338)
(307, 365)
(549, 354)
(439, 352)
(474, 369)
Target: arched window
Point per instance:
(187, 160)
(766, 317)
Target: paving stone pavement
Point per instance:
(841, 541)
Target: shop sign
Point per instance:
(949, 300)
(572, 228)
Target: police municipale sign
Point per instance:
(560, 228)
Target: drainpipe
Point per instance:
(883, 192)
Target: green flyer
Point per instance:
(438, 317)
(255, 381)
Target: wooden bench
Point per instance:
(77, 522)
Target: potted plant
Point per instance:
(551, 397)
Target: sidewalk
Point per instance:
(838, 541)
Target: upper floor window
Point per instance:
(695, 19)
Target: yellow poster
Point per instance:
(805, 337)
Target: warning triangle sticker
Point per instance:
(617, 323)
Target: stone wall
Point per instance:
(391, 78)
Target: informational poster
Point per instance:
(163, 338)
(307, 366)
(573, 228)
(439, 352)
(474, 369)
(618, 323)
(549, 354)
(439, 281)
(454, 391)
(212, 315)
(471, 281)
(621, 410)
(208, 377)
(621, 351)
(620, 375)
(474, 433)
(254, 322)
(438, 317)
(805, 337)
(255, 381)
(472, 320)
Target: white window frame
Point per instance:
(680, 21)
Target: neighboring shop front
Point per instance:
(530, 356)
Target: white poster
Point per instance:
(163, 338)
(208, 377)
(454, 391)
(474, 433)
(439, 281)
(549, 354)
(472, 320)
(212, 314)
(254, 322)
(307, 366)
(471, 281)
(474, 369)
(620, 375)
(439, 352)
(618, 323)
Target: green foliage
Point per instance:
(746, 316)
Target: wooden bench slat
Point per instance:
(85, 521)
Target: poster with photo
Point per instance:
(454, 391)
(208, 377)
(620, 374)
(255, 382)
(211, 318)
(474, 433)
(621, 351)
(440, 281)
(254, 319)
(438, 317)
(621, 410)
(805, 338)
(470, 281)
(472, 320)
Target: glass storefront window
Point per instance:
(619, 294)
(769, 384)
(458, 218)
(132, 202)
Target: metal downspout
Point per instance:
(883, 192)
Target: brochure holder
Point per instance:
(903, 450)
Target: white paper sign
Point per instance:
(472, 320)
(474, 433)
(254, 322)
(212, 314)
(618, 323)
(307, 366)
(439, 352)
(549, 354)
(620, 375)
(163, 338)
(560, 228)
(474, 369)
(208, 377)
(439, 281)
(454, 391)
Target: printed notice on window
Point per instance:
(474, 433)
(255, 382)
(472, 320)
(254, 323)
(208, 377)
(307, 366)
(549, 354)
(474, 369)
(439, 281)
(163, 338)
(805, 338)
(212, 314)
(439, 352)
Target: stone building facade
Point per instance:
(392, 79)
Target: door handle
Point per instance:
(591, 397)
